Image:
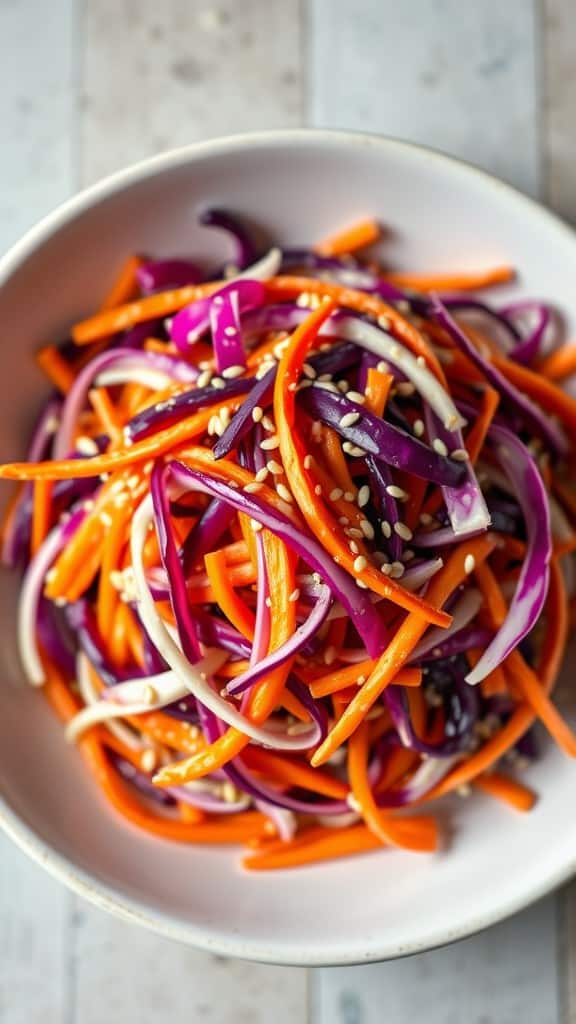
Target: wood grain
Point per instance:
(457, 76)
(157, 75)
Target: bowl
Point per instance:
(295, 186)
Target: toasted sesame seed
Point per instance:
(469, 564)
(257, 413)
(318, 490)
(218, 383)
(354, 547)
(268, 424)
(325, 378)
(361, 680)
(233, 371)
(292, 386)
(426, 519)
(361, 584)
(460, 455)
(281, 347)
(86, 446)
(294, 595)
(451, 423)
(348, 496)
(360, 563)
(255, 525)
(264, 368)
(309, 371)
(355, 396)
(403, 531)
(283, 491)
(397, 570)
(386, 568)
(397, 492)
(269, 443)
(363, 496)
(418, 427)
(274, 467)
(383, 322)
(149, 695)
(386, 528)
(225, 415)
(268, 602)
(343, 386)
(253, 488)
(303, 300)
(336, 494)
(439, 446)
(230, 331)
(367, 529)
(303, 385)
(326, 385)
(343, 520)
(261, 474)
(148, 760)
(307, 462)
(316, 577)
(349, 419)
(316, 430)
(405, 388)
(353, 449)
(352, 531)
(408, 555)
(420, 360)
(383, 366)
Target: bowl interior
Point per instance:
(294, 187)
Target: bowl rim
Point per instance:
(77, 879)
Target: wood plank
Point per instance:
(456, 76)
(126, 975)
(559, 94)
(493, 978)
(162, 75)
(37, 112)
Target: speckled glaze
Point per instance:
(295, 186)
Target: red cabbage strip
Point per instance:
(244, 251)
(290, 649)
(459, 643)
(160, 275)
(140, 780)
(204, 536)
(242, 422)
(532, 415)
(427, 775)
(379, 438)
(528, 349)
(465, 504)
(226, 332)
(357, 603)
(163, 414)
(187, 630)
(380, 480)
(441, 537)
(82, 620)
(194, 320)
(532, 587)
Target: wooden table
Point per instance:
(90, 85)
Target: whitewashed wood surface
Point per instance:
(89, 85)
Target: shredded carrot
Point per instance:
(41, 513)
(124, 287)
(234, 607)
(58, 371)
(559, 364)
(359, 236)
(452, 282)
(508, 790)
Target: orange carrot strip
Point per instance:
(294, 772)
(332, 844)
(41, 513)
(409, 833)
(559, 364)
(334, 457)
(508, 790)
(107, 413)
(400, 647)
(325, 527)
(124, 287)
(378, 386)
(234, 608)
(452, 282)
(477, 434)
(551, 398)
(360, 235)
(332, 682)
(160, 305)
(58, 371)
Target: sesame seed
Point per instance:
(408, 555)
(451, 423)
(269, 443)
(204, 379)
(343, 386)
(397, 492)
(353, 449)
(383, 322)
(363, 496)
(230, 331)
(354, 547)
(106, 519)
(218, 383)
(386, 528)
(255, 525)
(86, 446)
(403, 531)
(229, 792)
(469, 564)
(439, 446)
(386, 568)
(233, 371)
(349, 419)
(253, 488)
(418, 427)
(326, 385)
(353, 532)
(343, 520)
(316, 577)
(336, 494)
(261, 474)
(303, 385)
(148, 760)
(307, 462)
(303, 300)
(318, 490)
(225, 415)
(257, 413)
(280, 348)
(149, 695)
(316, 430)
(292, 386)
(397, 570)
(360, 563)
(426, 519)
(274, 467)
(355, 396)
(268, 424)
(459, 455)
(361, 584)
(325, 377)
(348, 496)
(367, 529)
(309, 371)
(294, 595)
(383, 366)
(405, 388)
(361, 680)
(283, 491)
(264, 368)
(268, 602)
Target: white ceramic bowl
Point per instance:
(297, 186)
